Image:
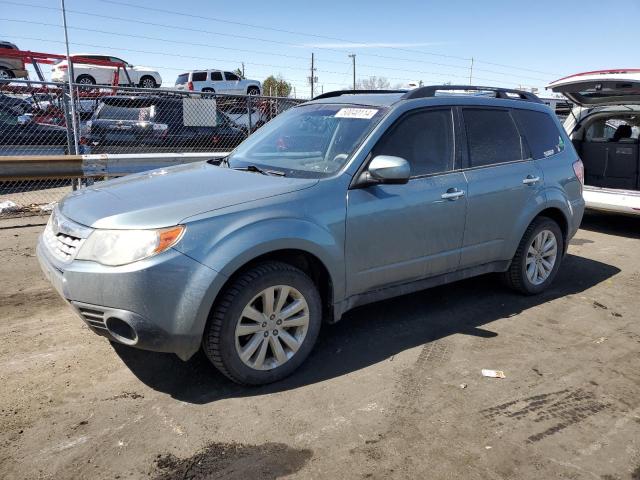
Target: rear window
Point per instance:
(182, 79)
(131, 113)
(492, 137)
(7, 46)
(216, 76)
(541, 133)
(199, 77)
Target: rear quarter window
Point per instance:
(199, 77)
(540, 131)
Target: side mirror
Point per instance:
(24, 120)
(386, 169)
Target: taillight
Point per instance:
(578, 168)
(189, 85)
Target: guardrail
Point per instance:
(32, 184)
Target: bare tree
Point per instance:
(373, 83)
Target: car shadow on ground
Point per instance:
(371, 334)
(612, 224)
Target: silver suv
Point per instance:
(348, 199)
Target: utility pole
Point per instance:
(242, 69)
(471, 72)
(70, 76)
(312, 75)
(353, 57)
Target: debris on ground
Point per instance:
(8, 206)
(493, 373)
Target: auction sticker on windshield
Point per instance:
(364, 113)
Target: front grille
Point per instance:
(63, 246)
(63, 237)
(94, 318)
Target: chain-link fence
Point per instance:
(35, 118)
(167, 126)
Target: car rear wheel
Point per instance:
(264, 325)
(147, 82)
(85, 81)
(6, 74)
(537, 258)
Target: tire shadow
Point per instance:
(370, 334)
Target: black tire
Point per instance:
(253, 91)
(516, 277)
(150, 81)
(86, 81)
(208, 92)
(6, 74)
(219, 340)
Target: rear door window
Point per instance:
(216, 76)
(424, 139)
(199, 77)
(492, 137)
(541, 133)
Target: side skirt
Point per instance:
(385, 293)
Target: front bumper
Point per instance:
(612, 200)
(160, 303)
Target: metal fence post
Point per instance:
(71, 134)
(249, 111)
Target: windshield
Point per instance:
(182, 79)
(116, 112)
(310, 141)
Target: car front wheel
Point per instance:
(264, 324)
(538, 257)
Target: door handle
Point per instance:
(452, 194)
(531, 180)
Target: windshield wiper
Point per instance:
(256, 169)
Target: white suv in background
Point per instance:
(88, 74)
(217, 81)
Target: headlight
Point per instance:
(119, 247)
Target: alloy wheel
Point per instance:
(541, 257)
(272, 327)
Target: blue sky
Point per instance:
(402, 41)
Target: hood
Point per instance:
(601, 88)
(165, 197)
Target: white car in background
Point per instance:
(88, 74)
(604, 128)
(217, 81)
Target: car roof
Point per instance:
(455, 94)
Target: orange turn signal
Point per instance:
(168, 237)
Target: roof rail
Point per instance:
(338, 93)
(505, 93)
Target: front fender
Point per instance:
(236, 245)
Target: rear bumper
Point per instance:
(612, 200)
(160, 304)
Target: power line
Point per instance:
(286, 67)
(307, 34)
(162, 25)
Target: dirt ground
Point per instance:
(393, 391)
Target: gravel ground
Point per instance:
(392, 391)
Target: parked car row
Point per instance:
(105, 68)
